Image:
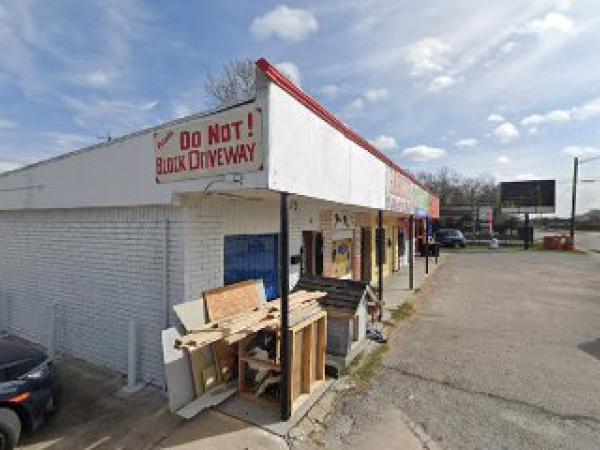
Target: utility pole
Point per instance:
(574, 199)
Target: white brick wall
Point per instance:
(209, 220)
(101, 267)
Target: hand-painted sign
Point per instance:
(222, 143)
(343, 221)
(420, 201)
(398, 192)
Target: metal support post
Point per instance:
(380, 249)
(284, 286)
(427, 245)
(132, 360)
(526, 232)
(411, 252)
(574, 200)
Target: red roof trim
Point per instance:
(284, 83)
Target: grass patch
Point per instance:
(404, 311)
(364, 369)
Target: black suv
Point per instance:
(28, 389)
(451, 237)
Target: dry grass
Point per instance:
(404, 311)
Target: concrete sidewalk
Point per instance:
(213, 430)
(395, 287)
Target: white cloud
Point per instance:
(289, 24)
(503, 159)
(427, 56)
(525, 176)
(112, 116)
(558, 115)
(564, 5)
(182, 109)
(374, 95)
(495, 118)
(441, 83)
(6, 124)
(354, 108)
(30, 46)
(506, 132)
(581, 150)
(467, 143)
(553, 22)
(6, 166)
(508, 47)
(384, 142)
(422, 153)
(331, 91)
(583, 112)
(291, 71)
(96, 78)
(65, 142)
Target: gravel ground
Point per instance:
(504, 352)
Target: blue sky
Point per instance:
(506, 89)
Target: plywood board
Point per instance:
(307, 357)
(297, 363)
(233, 299)
(226, 357)
(180, 385)
(191, 314)
(209, 377)
(199, 360)
(322, 348)
(212, 398)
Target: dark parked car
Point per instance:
(28, 390)
(451, 237)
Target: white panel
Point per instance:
(309, 157)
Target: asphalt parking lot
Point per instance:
(504, 352)
(92, 414)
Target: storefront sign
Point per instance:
(398, 192)
(343, 221)
(420, 201)
(223, 143)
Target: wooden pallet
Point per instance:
(234, 328)
(308, 343)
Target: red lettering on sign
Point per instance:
(225, 133)
(184, 140)
(196, 140)
(250, 124)
(162, 142)
(194, 159)
(213, 134)
(236, 128)
(251, 148)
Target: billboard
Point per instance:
(222, 143)
(533, 196)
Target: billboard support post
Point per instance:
(526, 232)
(574, 199)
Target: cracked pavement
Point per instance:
(504, 352)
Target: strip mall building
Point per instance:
(121, 231)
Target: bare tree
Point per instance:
(234, 83)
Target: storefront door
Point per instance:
(365, 255)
